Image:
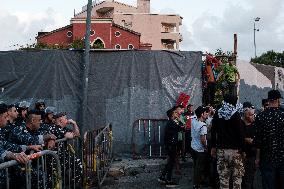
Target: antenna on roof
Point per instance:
(74, 12)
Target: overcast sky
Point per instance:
(207, 25)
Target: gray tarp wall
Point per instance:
(123, 85)
(257, 80)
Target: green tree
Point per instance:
(77, 44)
(270, 58)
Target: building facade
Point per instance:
(120, 26)
(160, 30)
(104, 34)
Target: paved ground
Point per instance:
(143, 174)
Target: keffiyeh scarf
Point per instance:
(228, 110)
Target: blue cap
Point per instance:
(49, 110)
(3, 108)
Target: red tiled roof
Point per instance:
(59, 29)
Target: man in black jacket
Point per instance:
(269, 142)
(249, 161)
(228, 138)
(171, 140)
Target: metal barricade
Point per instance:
(71, 164)
(35, 174)
(148, 138)
(97, 155)
(70, 154)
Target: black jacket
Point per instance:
(228, 134)
(171, 132)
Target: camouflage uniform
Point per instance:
(20, 135)
(2, 171)
(229, 162)
(68, 158)
(15, 173)
(9, 145)
(46, 171)
(39, 171)
(58, 131)
(227, 136)
(20, 121)
(43, 129)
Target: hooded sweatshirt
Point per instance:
(227, 130)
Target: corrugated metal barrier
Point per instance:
(148, 138)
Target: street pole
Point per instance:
(86, 65)
(254, 39)
(85, 82)
(254, 30)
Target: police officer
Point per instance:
(40, 106)
(22, 108)
(4, 133)
(69, 161)
(20, 134)
(60, 129)
(4, 153)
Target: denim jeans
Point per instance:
(272, 176)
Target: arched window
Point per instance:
(98, 44)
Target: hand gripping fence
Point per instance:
(73, 163)
(70, 154)
(35, 172)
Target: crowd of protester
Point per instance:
(24, 130)
(228, 143)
